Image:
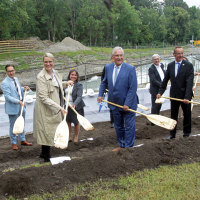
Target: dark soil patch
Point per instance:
(93, 160)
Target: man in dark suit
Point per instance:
(156, 75)
(121, 81)
(181, 74)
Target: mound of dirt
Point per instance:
(67, 44)
(40, 44)
(93, 159)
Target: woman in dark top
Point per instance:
(77, 102)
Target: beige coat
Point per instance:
(47, 114)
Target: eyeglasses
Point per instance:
(46, 62)
(10, 71)
(119, 55)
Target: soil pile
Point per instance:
(40, 44)
(67, 44)
(93, 159)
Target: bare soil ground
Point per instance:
(94, 160)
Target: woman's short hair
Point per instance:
(71, 71)
(49, 55)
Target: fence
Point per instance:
(13, 46)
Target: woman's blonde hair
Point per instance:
(49, 55)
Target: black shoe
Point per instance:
(112, 125)
(42, 156)
(170, 137)
(186, 135)
(46, 159)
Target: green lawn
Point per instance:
(163, 183)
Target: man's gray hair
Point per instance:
(155, 55)
(117, 48)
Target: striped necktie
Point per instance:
(115, 74)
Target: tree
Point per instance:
(126, 22)
(176, 3)
(177, 24)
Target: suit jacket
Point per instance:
(12, 106)
(77, 93)
(155, 80)
(124, 91)
(181, 85)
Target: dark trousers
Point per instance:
(111, 117)
(155, 107)
(45, 152)
(186, 116)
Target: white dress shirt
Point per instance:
(160, 71)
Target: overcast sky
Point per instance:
(193, 3)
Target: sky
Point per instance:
(193, 3)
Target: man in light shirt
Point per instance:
(156, 76)
(14, 94)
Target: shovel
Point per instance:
(19, 123)
(82, 120)
(176, 99)
(195, 85)
(159, 120)
(62, 132)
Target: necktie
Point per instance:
(115, 74)
(16, 85)
(179, 64)
(20, 98)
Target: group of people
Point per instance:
(181, 75)
(119, 80)
(49, 106)
(122, 91)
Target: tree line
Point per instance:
(126, 22)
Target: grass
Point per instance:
(34, 59)
(166, 183)
(26, 166)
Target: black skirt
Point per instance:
(72, 117)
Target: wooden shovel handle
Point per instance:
(139, 105)
(176, 99)
(114, 104)
(71, 106)
(23, 102)
(67, 101)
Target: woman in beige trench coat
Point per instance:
(48, 111)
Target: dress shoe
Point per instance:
(46, 159)
(14, 147)
(25, 143)
(116, 149)
(42, 155)
(112, 125)
(170, 137)
(186, 135)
